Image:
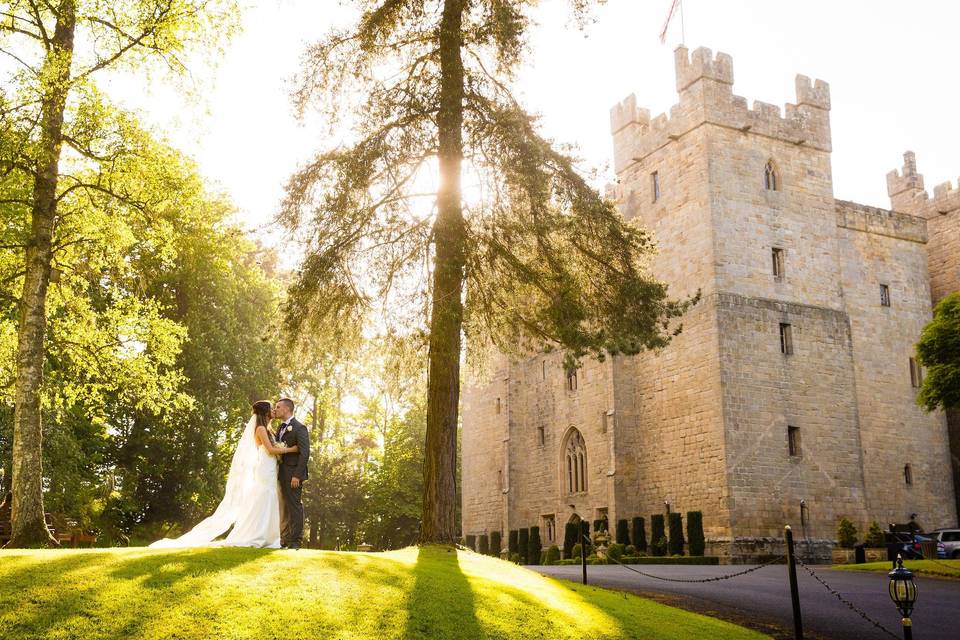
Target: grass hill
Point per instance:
(429, 593)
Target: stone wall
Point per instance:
(894, 430)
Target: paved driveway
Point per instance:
(762, 599)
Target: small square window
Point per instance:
(884, 295)
(916, 373)
(793, 441)
(907, 474)
(777, 256)
(786, 339)
(541, 436)
(655, 185)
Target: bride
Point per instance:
(251, 502)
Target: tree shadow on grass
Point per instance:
(441, 604)
(104, 599)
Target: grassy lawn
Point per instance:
(433, 593)
(943, 568)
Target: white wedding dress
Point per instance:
(251, 503)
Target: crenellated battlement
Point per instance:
(946, 198)
(907, 192)
(702, 64)
(704, 84)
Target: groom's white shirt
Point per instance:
(285, 427)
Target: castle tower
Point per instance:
(787, 397)
(942, 214)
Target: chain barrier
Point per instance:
(700, 580)
(844, 601)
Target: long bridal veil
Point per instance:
(240, 481)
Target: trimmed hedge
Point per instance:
(675, 543)
(616, 551)
(512, 544)
(535, 546)
(523, 544)
(695, 539)
(471, 543)
(496, 544)
(846, 534)
(623, 532)
(670, 560)
(584, 537)
(552, 555)
(658, 536)
(639, 538)
(569, 539)
(483, 544)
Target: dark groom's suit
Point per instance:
(293, 465)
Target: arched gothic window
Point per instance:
(771, 181)
(575, 463)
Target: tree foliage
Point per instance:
(529, 257)
(939, 352)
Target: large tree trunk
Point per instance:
(449, 236)
(28, 525)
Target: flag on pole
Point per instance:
(666, 25)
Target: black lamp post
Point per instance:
(903, 592)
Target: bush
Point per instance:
(875, 536)
(523, 545)
(676, 535)
(600, 525)
(616, 551)
(471, 543)
(695, 536)
(630, 550)
(515, 558)
(512, 544)
(551, 555)
(483, 544)
(569, 539)
(846, 533)
(639, 532)
(623, 532)
(576, 551)
(658, 544)
(496, 544)
(536, 547)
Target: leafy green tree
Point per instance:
(938, 351)
(536, 259)
(59, 48)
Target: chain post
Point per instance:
(794, 590)
(583, 551)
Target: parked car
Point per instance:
(950, 538)
(908, 544)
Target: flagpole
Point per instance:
(683, 31)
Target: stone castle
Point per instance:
(789, 397)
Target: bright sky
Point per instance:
(892, 69)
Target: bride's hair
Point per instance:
(261, 410)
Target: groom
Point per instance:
(293, 472)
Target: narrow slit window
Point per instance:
(498, 406)
(777, 258)
(786, 339)
(544, 367)
(916, 373)
(884, 295)
(571, 379)
(655, 185)
(793, 441)
(771, 180)
(907, 474)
